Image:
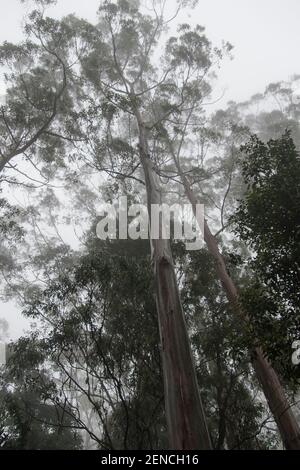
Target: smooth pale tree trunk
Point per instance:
(270, 383)
(187, 427)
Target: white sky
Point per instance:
(265, 35)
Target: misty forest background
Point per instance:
(132, 344)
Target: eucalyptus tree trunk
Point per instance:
(269, 380)
(187, 427)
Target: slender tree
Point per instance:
(184, 409)
(269, 380)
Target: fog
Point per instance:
(265, 35)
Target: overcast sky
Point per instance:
(265, 35)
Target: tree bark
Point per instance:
(287, 424)
(187, 427)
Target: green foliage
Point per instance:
(100, 318)
(220, 343)
(10, 228)
(98, 342)
(28, 421)
(268, 221)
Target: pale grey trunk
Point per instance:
(185, 416)
(270, 383)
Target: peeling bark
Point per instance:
(185, 415)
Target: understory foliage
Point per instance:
(95, 358)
